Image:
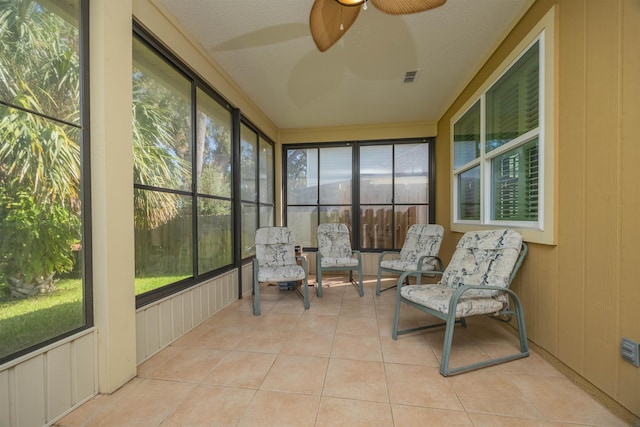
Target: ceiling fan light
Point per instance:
(350, 2)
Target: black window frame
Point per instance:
(355, 191)
(197, 82)
(86, 260)
(260, 136)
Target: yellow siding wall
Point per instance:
(583, 295)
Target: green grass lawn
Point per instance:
(29, 321)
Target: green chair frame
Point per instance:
(430, 232)
(450, 319)
(319, 269)
(286, 252)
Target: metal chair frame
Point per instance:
(450, 319)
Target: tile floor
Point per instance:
(337, 365)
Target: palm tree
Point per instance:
(40, 134)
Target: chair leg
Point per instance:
(378, 282)
(448, 339)
(446, 346)
(319, 281)
(360, 285)
(256, 298)
(305, 291)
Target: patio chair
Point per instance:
(335, 254)
(275, 262)
(419, 253)
(476, 282)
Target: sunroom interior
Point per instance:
(578, 283)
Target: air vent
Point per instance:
(411, 76)
(630, 351)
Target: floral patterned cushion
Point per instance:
(275, 247)
(484, 258)
(334, 241)
(396, 264)
(421, 239)
(280, 274)
(339, 262)
(437, 298)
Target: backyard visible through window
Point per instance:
(42, 243)
(391, 179)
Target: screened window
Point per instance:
(319, 188)
(378, 189)
(496, 148)
(394, 192)
(45, 289)
(183, 176)
(256, 186)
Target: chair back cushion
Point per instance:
(483, 258)
(334, 240)
(422, 239)
(275, 247)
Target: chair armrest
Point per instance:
(416, 274)
(303, 260)
(384, 253)
(453, 302)
(439, 267)
(357, 254)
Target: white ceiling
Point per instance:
(266, 47)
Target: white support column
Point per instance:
(112, 191)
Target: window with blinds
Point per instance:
(497, 142)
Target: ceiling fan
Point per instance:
(330, 19)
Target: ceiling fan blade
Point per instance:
(402, 7)
(325, 20)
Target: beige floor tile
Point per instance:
(157, 360)
(357, 347)
(490, 420)
(357, 325)
(277, 321)
(209, 405)
(420, 386)
(336, 412)
(308, 344)
(190, 365)
(265, 341)
(355, 309)
(241, 369)
(415, 416)
(224, 338)
(296, 374)
(354, 379)
(326, 305)
(144, 404)
(93, 408)
(412, 350)
(270, 408)
(324, 366)
(317, 323)
(560, 400)
(385, 325)
(289, 305)
(534, 364)
(488, 392)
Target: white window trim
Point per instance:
(544, 230)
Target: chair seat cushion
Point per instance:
(398, 265)
(339, 262)
(283, 273)
(436, 297)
